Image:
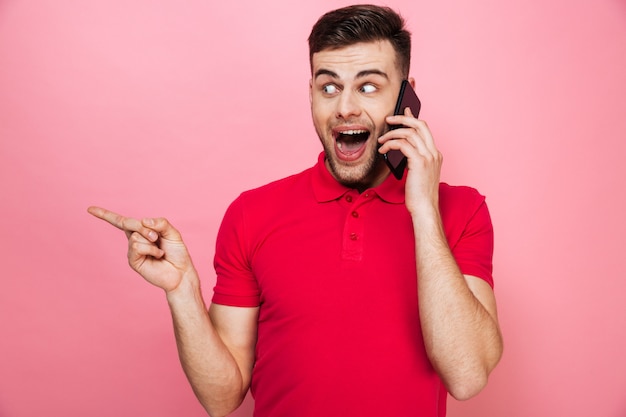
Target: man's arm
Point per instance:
(216, 349)
(457, 313)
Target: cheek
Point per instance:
(379, 116)
(321, 113)
(320, 121)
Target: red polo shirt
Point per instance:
(334, 274)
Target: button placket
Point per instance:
(354, 228)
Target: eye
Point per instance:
(368, 88)
(330, 89)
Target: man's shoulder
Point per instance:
(459, 198)
(289, 186)
(458, 191)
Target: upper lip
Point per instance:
(349, 130)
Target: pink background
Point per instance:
(172, 108)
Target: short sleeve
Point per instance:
(474, 249)
(236, 284)
(469, 231)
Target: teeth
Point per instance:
(354, 132)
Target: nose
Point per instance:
(347, 105)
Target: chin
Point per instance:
(360, 175)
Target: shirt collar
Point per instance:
(326, 188)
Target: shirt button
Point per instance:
(355, 214)
(354, 236)
(349, 198)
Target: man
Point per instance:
(340, 290)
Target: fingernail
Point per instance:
(152, 235)
(148, 222)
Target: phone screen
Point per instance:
(407, 98)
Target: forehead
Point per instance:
(351, 60)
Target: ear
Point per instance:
(311, 91)
(412, 82)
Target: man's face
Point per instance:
(352, 90)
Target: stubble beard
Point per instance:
(358, 176)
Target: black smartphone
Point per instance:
(396, 161)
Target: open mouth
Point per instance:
(350, 143)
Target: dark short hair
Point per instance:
(362, 23)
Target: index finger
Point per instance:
(126, 224)
(406, 119)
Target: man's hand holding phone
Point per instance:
(413, 139)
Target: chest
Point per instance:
(338, 254)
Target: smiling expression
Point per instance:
(352, 90)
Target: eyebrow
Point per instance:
(361, 74)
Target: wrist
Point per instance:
(425, 212)
(427, 221)
(187, 289)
